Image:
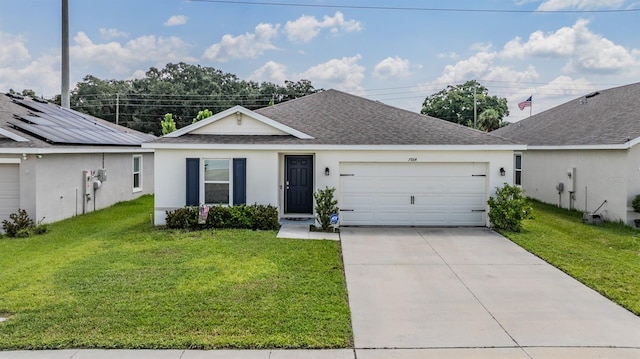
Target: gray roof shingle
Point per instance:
(336, 118)
(610, 117)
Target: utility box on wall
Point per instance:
(571, 179)
(102, 174)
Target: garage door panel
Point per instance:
(9, 190)
(430, 194)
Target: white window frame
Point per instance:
(517, 170)
(203, 182)
(134, 173)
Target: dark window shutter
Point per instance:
(193, 182)
(239, 181)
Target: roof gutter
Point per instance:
(316, 147)
(43, 151)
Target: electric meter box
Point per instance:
(102, 175)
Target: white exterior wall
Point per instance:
(600, 175)
(51, 187)
(265, 170)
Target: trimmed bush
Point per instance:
(255, 216)
(509, 208)
(326, 205)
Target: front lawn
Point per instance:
(109, 280)
(604, 257)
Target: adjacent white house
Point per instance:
(389, 166)
(583, 153)
(56, 163)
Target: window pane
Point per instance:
(216, 193)
(136, 164)
(519, 178)
(136, 180)
(518, 162)
(216, 170)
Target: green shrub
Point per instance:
(509, 208)
(255, 216)
(326, 205)
(18, 225)
(183, 218)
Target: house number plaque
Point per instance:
(413, 159)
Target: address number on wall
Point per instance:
(413, 159)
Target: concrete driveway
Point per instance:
(470, 289)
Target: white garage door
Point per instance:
(9, 190)
(413, 194)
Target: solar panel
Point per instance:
(59, 125)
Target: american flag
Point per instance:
(525, 103)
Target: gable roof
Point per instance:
(27, 123)
(336, 118)
(606, 117)
(243, 112)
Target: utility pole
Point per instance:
(475, 109)
(117, 107)
(64, 95)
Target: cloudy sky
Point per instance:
(397, 52)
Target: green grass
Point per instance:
(109, 280)
(604, 257)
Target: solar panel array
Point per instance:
(59, 125)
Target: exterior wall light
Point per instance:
(239, 118)
(502, 172)
(326, 171)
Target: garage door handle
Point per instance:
(413, 199)
(478, 210)
(346, 210)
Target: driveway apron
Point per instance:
(412, 288)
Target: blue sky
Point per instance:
(396, 56)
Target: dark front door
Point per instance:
(298, 184)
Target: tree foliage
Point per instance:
(202, 115)
(455, 104)
(168, 124)
(180, 89)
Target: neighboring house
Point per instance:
(389, 166)
(590, 145)
(45, 150)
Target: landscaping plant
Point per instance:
(21, 225)
(326, 205)
(508, 208)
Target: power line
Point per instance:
(396, 8)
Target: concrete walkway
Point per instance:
(469, 292)
(449, 293)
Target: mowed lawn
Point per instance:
(605, 257)
(110, 280)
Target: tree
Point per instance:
(178, 89)
(455, 103)
(489, 120)
(202, 115)
(168, 124)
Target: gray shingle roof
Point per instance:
(610, 117)
(47, 125)
(336, 118)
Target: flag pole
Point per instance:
(531, 107)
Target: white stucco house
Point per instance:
(56, 163)
(590, 145)
(389, 166)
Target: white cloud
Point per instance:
(176, 20)
(119, 59)
(112, 33)
(585, 50)
(554, 5)
(271, 71)
(41, 75)
(342, 74)
(392, 67)
(307, 27)
(12, 49)
(448, 55)
(249, 45)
